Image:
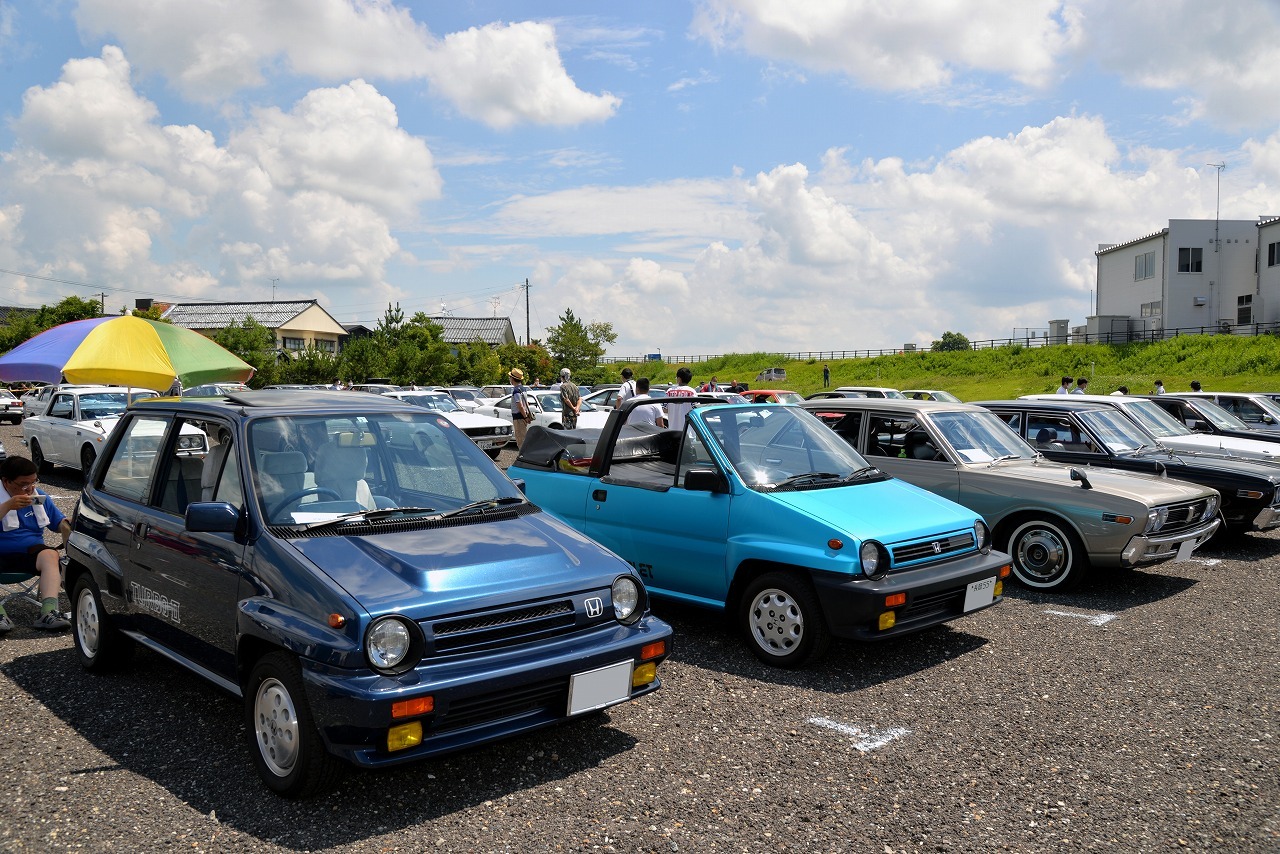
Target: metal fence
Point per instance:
(1148, 336)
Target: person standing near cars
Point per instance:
(677, 411)
(1195, 385)
(627, 390)
(645, 414)
(570, 400)
(1065, 388)
(1082, 386)
(27, 514)
(520, 415)
(1159, 386)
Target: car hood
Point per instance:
(1229, 445)
(1147, 489)
(892, 508)
(428, 572)
(472, 420)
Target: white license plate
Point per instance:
(980, 593)
(1185, 548)
(601, 687)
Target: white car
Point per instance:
(468, 397)
(546, 411)
(11, 406)
(489, 433)
(35, 401)
(1172, 433)
(875, 391)
(78, 420)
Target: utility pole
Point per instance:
(102, 303)
(528, 339)
(1217, 205)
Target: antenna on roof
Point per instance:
(273, 288)
(496, 302)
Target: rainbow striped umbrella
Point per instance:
(123, 350)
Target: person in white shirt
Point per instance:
(1082, 385)
(628, 389)
(677, 411)
(646, 414)
(1159, 386)
(1065, 388)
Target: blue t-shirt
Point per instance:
(28, 532)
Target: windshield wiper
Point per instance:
(861, 474)
(1004, 458)
(1140, 449)
(371, 515)
(807, 477)
(481, 506)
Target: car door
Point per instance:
(684, 556)
(938, 473)
(61, 431)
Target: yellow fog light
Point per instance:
(999, 588)
(888, 620)
(644, 674)
(404, 735)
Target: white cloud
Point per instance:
(500, 74)
(307, 195)
(917, 45)
(1223, 57)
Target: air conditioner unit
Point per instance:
(1199, 300)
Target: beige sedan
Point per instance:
(1056, 521)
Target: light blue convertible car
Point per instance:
(762, 510)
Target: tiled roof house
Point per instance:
(297, 324)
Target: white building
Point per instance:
(1195, 275)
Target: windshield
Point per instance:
(438, 402)
(314, 468)
(1219, 417)
(1116, 431)
(1153, 418)
(980, 437)
(108, 404)
(945, 396)
(769, 444)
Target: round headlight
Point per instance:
(1210, 509)
(626, 598)
(981, 536)
(874, 563)
(387, 643)
(1156, 519)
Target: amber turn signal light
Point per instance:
(893, 600)
(653, 650)
(416, 706)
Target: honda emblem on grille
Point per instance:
(937, 547)
(595, 606)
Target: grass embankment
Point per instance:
(1219, 362)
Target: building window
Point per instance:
(1273, 254)
(1189, 260)
(294, 343)
(1244, 309)
(1144, 266)
(1151, 309)
(324, 345)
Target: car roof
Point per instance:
(280, 402)
(1061, 402)
(859, 404)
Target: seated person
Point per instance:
(27, 513)
(918, 447)
(1047, 437)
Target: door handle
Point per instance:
(599, 494)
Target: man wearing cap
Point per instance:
(520, 414)
(570, 400)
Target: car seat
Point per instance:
(918, 447)
(1047, 438)
(341, 465)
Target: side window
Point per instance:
(849, 427)
(693, 454)
(1013, 419)
(128, 473)
(63, 406)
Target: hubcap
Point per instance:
(776, 622)
(1042, 554)
(88, 632)
(276, 722)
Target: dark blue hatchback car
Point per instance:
(359, 572)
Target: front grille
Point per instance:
(482, 432)
(936, 548)
(551, 697)
(503, 627)
(1184, 515)
(933, 604)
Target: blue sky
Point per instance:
(708, 177)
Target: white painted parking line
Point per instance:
(1096, 619)
(1207, 561)
(864, 740)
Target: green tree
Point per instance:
(576, 345)
(71, 308)
(152, 313)
(310, 366)
(476, 363)
(255, 344)
(951, 342)
(533, 359)
(387, 332)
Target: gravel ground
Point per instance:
(1140, 715)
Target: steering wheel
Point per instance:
(300, 494)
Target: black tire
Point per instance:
(87, 456)
(1047, 555)
(286, 747)
(784, 625)
(37, 456)
(100, 646)
(493, 452)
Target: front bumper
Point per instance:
(477, 699)
(1144, 549)
(934, 594)
(1266, 520)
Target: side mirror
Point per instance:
(1267, 419)
(212, 517)
(1198, 426)
(704, 480)
(1076, 474)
